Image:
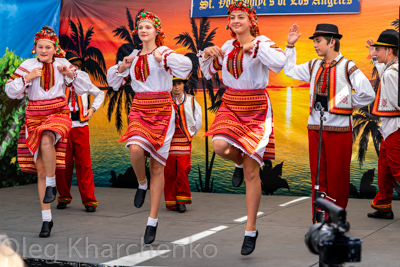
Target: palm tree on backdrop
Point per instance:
(202, 38)
(115, 98)
(366, 125)
(79, 43)
(395, 24)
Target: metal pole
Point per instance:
(316, 186)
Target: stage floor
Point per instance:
(209, 233)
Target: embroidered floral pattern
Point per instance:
(47, 79)
(256, 47)
(142, 70)
(234, 63)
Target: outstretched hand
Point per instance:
(371, 48)
(293, 34)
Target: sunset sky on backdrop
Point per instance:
(105, 16)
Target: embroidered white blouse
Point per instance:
(389, 82)
(363, 96)
(17, 86)
(153, 76)
(253, 72)
(247, 71)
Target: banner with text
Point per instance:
(214, 8)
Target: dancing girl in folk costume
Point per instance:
(187, 124)
(332, 80)
(152, 117)
(384, 54)
(78, 147)
(243, 127)
(42, 142)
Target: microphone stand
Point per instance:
(316, 187)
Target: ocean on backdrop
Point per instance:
(290, 111)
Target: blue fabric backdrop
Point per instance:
(21, 19)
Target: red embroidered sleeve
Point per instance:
(164, 60)
(255, 49)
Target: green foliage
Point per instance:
(12, 116)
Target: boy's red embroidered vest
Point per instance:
(83, 116)
(339, 87)
(382, 106)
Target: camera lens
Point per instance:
(315, 235)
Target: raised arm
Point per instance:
(20, 81)
(268, 52)
(176, 64)
(80, 80)
(210, 61)
(371, 49)
(118, 74)
(299, 72)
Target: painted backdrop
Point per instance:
(100, 31)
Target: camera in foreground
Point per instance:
(328, 239)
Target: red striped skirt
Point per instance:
(241, 119)
(149, 117)
(43, 115)
(180, 145)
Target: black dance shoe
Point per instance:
(181, 208)
(150, 234)
(61, 205)
(46, 229)
(249, 244)
(50, 194)
(90, 208)
(139, 197)
(381, 215)
(238, 177)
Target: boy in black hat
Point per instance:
(384, 54)
(331, 79)
(78, 147)
(187, 124)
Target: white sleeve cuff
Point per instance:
(125, 73)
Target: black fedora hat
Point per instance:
(176, 79)
(72, 57)
(326, 30)
(389, 38)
